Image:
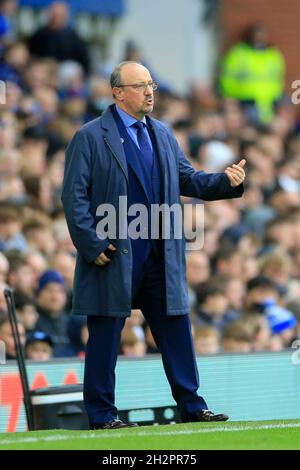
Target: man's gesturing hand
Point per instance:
(102, 259)
(236, 173)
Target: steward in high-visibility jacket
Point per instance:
(253, 75)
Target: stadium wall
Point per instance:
(247, 387)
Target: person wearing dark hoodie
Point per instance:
(53, 320)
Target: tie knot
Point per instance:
(138, 125)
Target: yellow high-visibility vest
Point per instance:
(253, 74)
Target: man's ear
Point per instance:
(118, 93)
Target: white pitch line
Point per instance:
(111, 434)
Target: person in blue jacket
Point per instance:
(127, 155)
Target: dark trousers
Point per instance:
(172, 335)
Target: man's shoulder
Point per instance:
(161, 126)
(96, 126)
(163, 131)
(91, 126)
(89, 131)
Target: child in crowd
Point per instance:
(39, 346)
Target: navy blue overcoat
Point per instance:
(96, 173)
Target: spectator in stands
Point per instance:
(262, 330)
(277, 266)
(39, 234)
(278, 233)
(260, 290)
(6, 336)
(99, 97)
(20, 276)
(283, 201)
(234, 290)
(33, 150)
(71, 80)
(51, 300)
(55, 163)
(39, 192)
(282, 323)
(229, 262)
(211, 306)
(12, 189)
(131, 345)
(39, 346)
(14, 62)
(135, 321)
(64, 263)
(238, 337)
(206, 340)
(253, 73)
(38, 265)
(25, 310)
(59, 40)
(197, 271)
(8, 10)
(11, 237)
(36, 76)
(61, 233)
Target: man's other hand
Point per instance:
(102, 259)
(236, 173)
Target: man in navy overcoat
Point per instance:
(127, 155)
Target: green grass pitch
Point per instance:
(194, 436)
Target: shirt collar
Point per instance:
(128, 120)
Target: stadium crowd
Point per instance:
(244, 283)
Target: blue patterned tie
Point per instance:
(144, 144)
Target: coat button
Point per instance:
(125, 251)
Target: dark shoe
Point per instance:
(205, 416)
(115, 424)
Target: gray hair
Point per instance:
(115, 78)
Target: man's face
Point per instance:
(133, 101)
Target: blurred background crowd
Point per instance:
(244, 284)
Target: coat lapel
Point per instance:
(113, 141)
(160, 138)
